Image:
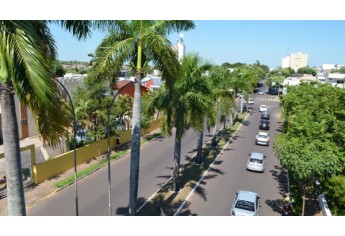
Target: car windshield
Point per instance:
(254, 160)
(245, 205)
(262, 136)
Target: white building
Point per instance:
(329, 67)
(298, 79)
(295, 61)
(72, 82)
(180, 48)
(336, 79)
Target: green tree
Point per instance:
(139, 42)
(312, 146)
(223, 96)
(306, 70)
(26, 48)
(185, 106)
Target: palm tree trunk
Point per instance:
(177, 154)
(198, 159)
(13, 166)
(213, 142)
(135, 147)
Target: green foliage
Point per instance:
(312, 145)
(286, 72)
(334, 190)
(58, 70)
(340, 70)
(306, 70)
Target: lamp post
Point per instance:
(108, 153)
(74, 146)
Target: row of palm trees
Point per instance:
(27, 49)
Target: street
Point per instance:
(216, 194)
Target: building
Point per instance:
(180, 48)
(329, 67)
(295, 61)
(127, 87)
(72, 82)
(298, 79)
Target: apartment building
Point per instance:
(295, 61)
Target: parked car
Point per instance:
(264, 125)
(262, 108)
(256, 162)
(250, 101)
(262, 138)
(246, 203)
(265, 115)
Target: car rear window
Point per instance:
(254, 160)
(262, 136)
(245, 205)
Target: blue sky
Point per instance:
(246, 41)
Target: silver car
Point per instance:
(262, 138)
(256, 162)
(246, 203)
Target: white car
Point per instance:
(256, 162)
(262, 138)
(250, 101)
(262, 108)
(261, 92)
(246, 203)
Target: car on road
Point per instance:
(250, 101)
(261, 92)
(265, 115)
(246, 203)
(262, 138)
(256, 162)
(264, 125)
(262, 108)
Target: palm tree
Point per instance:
(26, 50)
(243, 80)
(223, 96)
(184, 106)
(139, 42)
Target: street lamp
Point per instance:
(74, 146)
(108, 136)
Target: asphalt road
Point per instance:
(156, 163)
(215, 195)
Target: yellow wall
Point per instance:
(63, 162)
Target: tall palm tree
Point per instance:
(243, 80)
(26, 50)
(185, 106)
(139, 42)
(223, 96)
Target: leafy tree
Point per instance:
(312, 146)
(26, 48)
(138, 42)
(58, 70)
(306, 70)
(340, 70)
(286, 72)
(334, 189)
